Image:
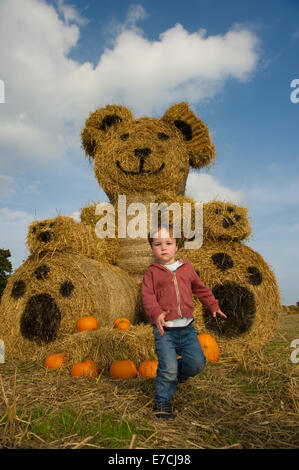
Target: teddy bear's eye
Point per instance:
(66, 288)
(230, 209)
(217, 211)
(124, 136)
(18, 289)
(163, 136)
(255, 276)
(222, 261)
(42, 272)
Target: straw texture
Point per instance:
(45, 297)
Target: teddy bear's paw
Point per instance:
(45, 297)
(62, 234)
(224, 220)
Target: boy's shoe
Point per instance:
(163, 411)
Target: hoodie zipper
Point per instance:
(174, 279)
(177, 294)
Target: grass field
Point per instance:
(239, 402)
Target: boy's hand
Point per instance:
(160, 322)
(219, 313)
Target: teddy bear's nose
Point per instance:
(45, 236)
(142, 153)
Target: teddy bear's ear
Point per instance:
(99, 122)
(195, 133)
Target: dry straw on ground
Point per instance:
(241, 402)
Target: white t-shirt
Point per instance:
(179, 322)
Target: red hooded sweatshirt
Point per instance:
(164, 290)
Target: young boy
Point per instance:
(167, 289)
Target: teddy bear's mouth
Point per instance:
(141, 170)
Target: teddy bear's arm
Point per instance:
(221, 220)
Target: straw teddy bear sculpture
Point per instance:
(71, 272)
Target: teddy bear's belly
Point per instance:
(135, 253)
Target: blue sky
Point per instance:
(62, 59)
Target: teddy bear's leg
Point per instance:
(44, 298)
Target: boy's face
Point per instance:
(164, 247)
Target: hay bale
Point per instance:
(246, 289)
(225, 221)
(121, 145)
(135, 254)
(88, 215)
(108, 344)
(44, 298)
(63, 234)
(293, 309)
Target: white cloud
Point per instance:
(204, 188)
(70, 14)
(76, 216)
(49, 95)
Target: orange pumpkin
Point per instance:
(54, 360)
(148, 369)
(124, 369)
(85, 368)
(87, 323)
(209, 346)
(122, 323)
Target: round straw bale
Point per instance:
(44, 298)
(246, 289)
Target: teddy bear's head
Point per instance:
(146, 154)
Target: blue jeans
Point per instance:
(183, 342)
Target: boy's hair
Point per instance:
(169, 228)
